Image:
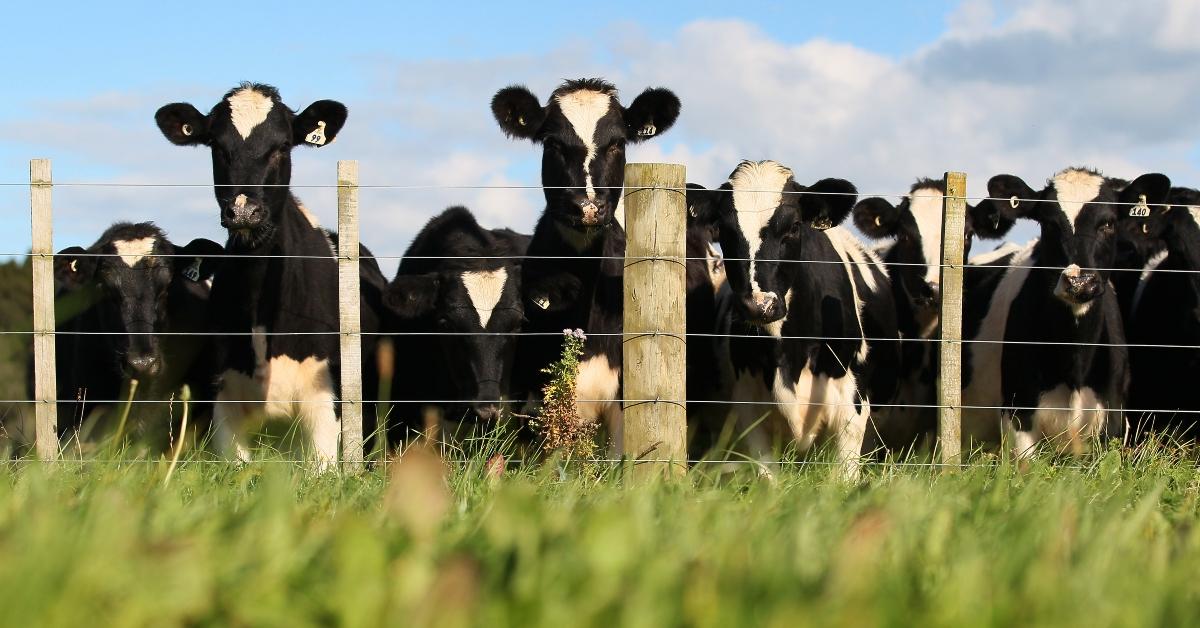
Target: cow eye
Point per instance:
(1106, 227)
(614, 148)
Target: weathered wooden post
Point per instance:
(348, 311)
(949, 387)
(655, 347)
(45, 388)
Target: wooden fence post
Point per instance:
(348, 310)
(44, 380)
(949, 387)
(654, 344)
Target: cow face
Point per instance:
(251, 134)
(476, 314)
(1078, 211)
(915, 226)
(761, 217)
(583, 130)
(125, 280)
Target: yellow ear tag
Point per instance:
(74, 265)
(1141, 210)
(317, 137)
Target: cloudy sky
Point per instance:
(874, 92)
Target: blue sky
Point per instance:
(877, 92)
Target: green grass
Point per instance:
(269, 544)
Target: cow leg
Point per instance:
(237, 404)
(321, 423)
(849, 441)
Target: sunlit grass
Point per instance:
(1109, 540)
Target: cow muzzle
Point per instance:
(593, 212)
(486, 412)
(1076, 286)
(763, 307)
(242, 213)
(142, 365)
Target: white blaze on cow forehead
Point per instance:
(132, 251)
(757, 192)
(926, 207)
(1195, 212)
(1075, 188)
(485, 288)
(583, 109)
(248, 108)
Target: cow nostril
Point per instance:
(487, 411)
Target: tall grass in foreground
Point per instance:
(269, 544)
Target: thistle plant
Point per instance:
(559, 425)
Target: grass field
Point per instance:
(1111, 541)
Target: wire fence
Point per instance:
(868, 258)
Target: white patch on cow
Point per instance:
(818, 405)
(981, 424)
(583, 109)
(1069, 418)
(248, 108)
(757, 193)
(1147, 272)
(853, 253)
(485, 287)
(1004, 250)
(926, 207)
(714, 263)
(132, 251)
(1195, 212)
(597, 384)
(308, 215)
(1075, 188)
(281, 388)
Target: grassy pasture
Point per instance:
(1112, 540)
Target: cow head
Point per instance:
(915, 227)
(761, 216)
(1079, 212)
(251, 134)
(124, 279)
(473, 304)
(583, 130)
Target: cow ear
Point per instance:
(701, 205)
(319, 123)
(1011, 192)
(651, 114)
(413, 296)
(73, 267)
(518, 112)
(1154, 187)
(827, 202)
(198, 259)
(182, 124)
(876, 218)
(990, 220)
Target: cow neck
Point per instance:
(1182, 237)
(293, 288)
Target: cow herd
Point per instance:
(801, 331)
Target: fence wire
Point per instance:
(873, 261)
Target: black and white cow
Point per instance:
(112, 299)
(583, 130)
(282, 357)
(1164, 309)
(814, 368)
(459, 285)
(910, 235)
(1057, 290)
